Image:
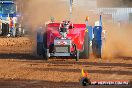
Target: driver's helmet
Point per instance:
(66, 23)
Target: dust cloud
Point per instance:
(118, 36)
(37, 12)
(118, 41)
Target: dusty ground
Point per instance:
(20, 69)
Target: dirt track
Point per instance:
(20, 69)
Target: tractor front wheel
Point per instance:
(77, 55)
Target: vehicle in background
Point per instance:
(9, 19)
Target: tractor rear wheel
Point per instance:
(46, 54)
(85, 53)
(96, 46)
(45, 49)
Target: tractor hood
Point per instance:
(76, 33)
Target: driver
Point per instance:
(63, 28)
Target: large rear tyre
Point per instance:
(96, 46)
(46, 50)
(85, 53)
(46, 54)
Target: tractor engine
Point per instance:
(62, 45)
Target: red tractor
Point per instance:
(64, 40)
(67, 39)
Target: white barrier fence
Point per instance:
(118, 14)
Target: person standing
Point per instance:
(14, 26)
(11, 26)
(0, 26)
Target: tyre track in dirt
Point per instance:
(21, 69)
